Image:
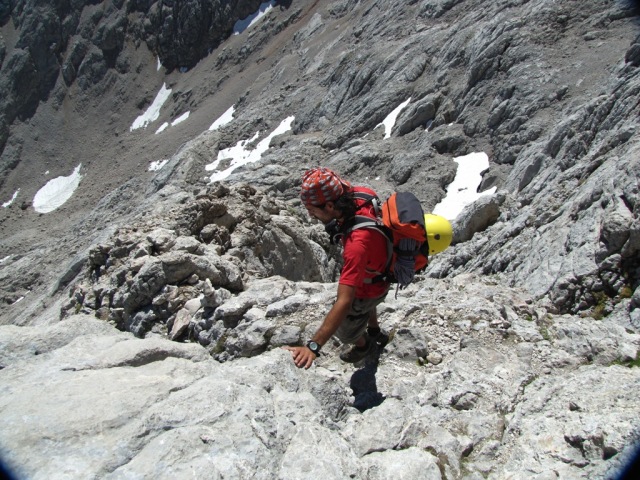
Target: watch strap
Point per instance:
(314, 347)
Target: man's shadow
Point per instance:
(363, 383)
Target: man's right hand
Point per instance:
(302, 356)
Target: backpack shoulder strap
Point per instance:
(368, 198)
(361, 221)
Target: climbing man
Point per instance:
(353, 318)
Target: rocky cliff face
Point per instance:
(55, 45)
(513, 356)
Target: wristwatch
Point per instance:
(314, 347)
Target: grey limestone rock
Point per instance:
(413, 462)
(162, 239)
(448, 416)
(477, 217)
(180, 324)
(515, 351)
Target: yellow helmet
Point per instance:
(439, 232)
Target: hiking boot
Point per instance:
(355, 354)
(378, 336)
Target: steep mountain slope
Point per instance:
(494, 348)
(542, 88)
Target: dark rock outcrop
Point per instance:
(83, 40)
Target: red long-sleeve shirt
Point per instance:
(365, 256)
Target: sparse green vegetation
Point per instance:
(292, 211)
(598, 312)
(220, 345)
(626, 292)
(545, 332)
(629, 363)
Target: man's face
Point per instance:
(325, 213)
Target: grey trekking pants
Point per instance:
(355, 325)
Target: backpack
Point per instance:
(401, 220)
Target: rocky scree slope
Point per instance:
(548, 91)
(496, 353)
(48, 47)
(99, 71)
(476, 378)
(478, 375)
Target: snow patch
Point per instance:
(153, 112)
(239, 155)
(390, 120)
(162, 127)
(180, 119)
(242, 25)
(157, 165)
(463, 190)
(15, 195)
(56, 192)
(225, 118)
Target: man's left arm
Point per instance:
(302, 356)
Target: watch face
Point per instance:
(313, 346)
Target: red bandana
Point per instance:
(321, 185)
